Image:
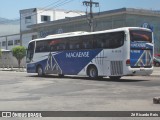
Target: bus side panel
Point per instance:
(31, 68)
(72, 62)
(103, 61)
(113, 62)
(97, 61)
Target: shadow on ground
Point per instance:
(87, 78)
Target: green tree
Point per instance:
(19, 53)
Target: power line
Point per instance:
(63, 3)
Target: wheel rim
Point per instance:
(93, 72)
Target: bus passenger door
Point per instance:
(106, 63)
(102, 64)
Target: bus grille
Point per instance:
(116, 68)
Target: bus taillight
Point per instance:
(128, 62)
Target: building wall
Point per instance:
(28, 37)
(8, 29)
(102, 23)
(15, 39)
(40, 13)
(10, 41)
(27, 17)
(2, 40)
(7, 60)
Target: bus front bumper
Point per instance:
(31, 68)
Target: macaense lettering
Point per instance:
(77, 54)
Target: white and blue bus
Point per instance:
(113, 53)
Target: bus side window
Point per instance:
(42, 46)
(77, 46)
(87, 42)
(52, 48)
(74, 43)
(85, 45)
(117, 39)
(61, 46)
(100, 43)
(71, 46)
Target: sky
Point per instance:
(10, 8)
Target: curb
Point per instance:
(14, 70)
(155, 75)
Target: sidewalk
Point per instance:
(13, 69)
(156, 71)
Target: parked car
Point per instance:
(156, 62)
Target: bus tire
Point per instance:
(40, 71)
(115, 77)
(92, 72)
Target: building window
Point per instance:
(10, 42)
(4, 43)
(28, 19)
(45, 18)
(17, 42)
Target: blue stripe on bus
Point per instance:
(141, 55)
(72, 62)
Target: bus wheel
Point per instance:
(93, 72)
(115, 77)
(40, 71)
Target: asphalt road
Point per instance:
(26, 92)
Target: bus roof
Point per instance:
(80, 33)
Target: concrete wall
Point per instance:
(7, 60)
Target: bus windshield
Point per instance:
(30, 52)
(140, 35)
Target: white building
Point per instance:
(36, 16)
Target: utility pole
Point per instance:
(90, 20)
